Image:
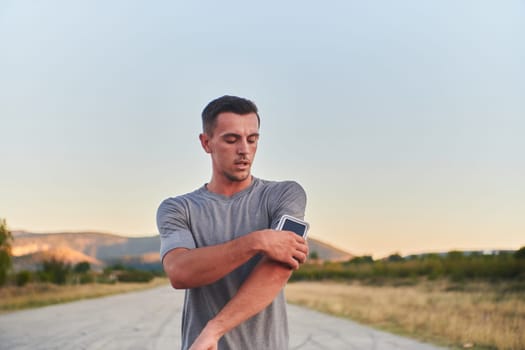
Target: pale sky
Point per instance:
(403, 120)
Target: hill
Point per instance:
(327, 252)
(102, 249)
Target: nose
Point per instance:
(243, 147)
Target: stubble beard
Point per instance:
(237, 178)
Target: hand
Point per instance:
(284, 246)
(202, 343)
(207, 340)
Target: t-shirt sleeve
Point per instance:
(173, 227)
(290, 200)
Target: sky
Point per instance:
(403, 120)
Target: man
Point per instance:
(218, 243)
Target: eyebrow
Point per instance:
(231, 134)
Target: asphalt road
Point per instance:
(151, 320)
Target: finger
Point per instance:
(296, 237)
(301, 257)
(294, 264)
(303, 245)
(300, 239)
(302, 248)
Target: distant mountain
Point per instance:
(33, 260)
(102, 249)
(327, 252)
(85, 242)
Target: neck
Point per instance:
(227, 187)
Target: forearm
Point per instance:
(201, 266)
(256, 293)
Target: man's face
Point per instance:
(232, 145)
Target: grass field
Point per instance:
(476, 315)
(35, 295)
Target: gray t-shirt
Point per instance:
(202, 218)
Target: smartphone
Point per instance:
(289, 223)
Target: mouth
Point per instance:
(242, 164)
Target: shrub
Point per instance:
(365, 259)
(86, 278)
(135, 276)
(82, 267)
(520, 253)
(455, 266)
(55, 271)
(23, 277)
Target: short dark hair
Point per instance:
(233, 104)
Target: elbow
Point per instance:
(178, 282)
(177, 285)
(178, 275)
(179, 279)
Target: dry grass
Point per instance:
(34, 295)
(478, 315)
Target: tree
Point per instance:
(314, 255)
(365, 259)
(56, 271)
(6, 240)
(520, 253)
(395, 257)
(82, 267)
(455, 255)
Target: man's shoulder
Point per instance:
(280, 186)
(181, 200)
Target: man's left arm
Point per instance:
(264, 282)
(257, 292)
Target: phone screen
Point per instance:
(293, 226)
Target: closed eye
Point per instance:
(230, 138)
(253, 139)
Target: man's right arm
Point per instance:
(191, 268)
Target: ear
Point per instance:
(205, 140)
